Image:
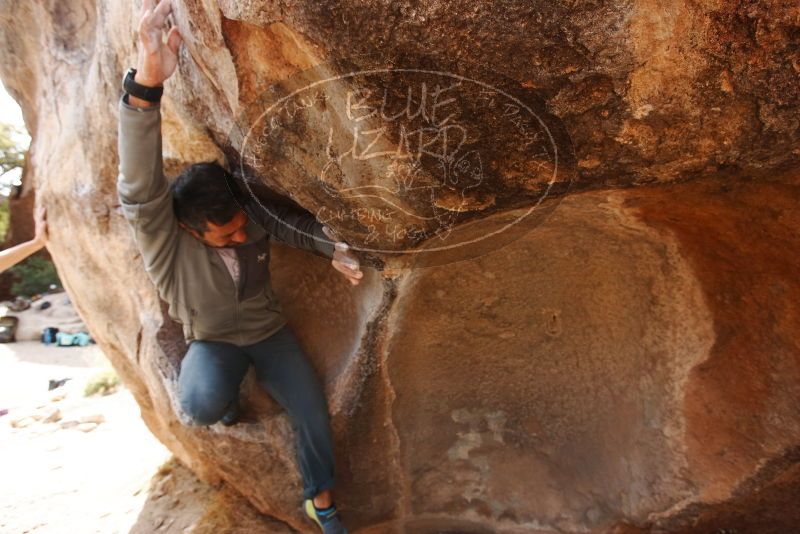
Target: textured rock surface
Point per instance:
(631, 363)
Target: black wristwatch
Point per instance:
(151, 94)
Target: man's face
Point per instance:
(229, 234)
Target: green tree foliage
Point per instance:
(12, 152)
(5, 218)
(34, 276)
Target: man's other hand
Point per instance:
(344, 260)
(157, 59)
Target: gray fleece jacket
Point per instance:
(190, 276)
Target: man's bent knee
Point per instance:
(202, 410)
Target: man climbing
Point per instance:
(209, 261)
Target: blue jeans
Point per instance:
(209, 381)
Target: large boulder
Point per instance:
(610, 343)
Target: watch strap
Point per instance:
(151, 94)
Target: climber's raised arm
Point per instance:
(143, 192)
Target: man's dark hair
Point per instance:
(200, 194)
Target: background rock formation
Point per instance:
(632, 363)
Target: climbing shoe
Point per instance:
(326, 519)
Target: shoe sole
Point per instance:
(311, 513)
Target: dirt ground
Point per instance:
(80, 464)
